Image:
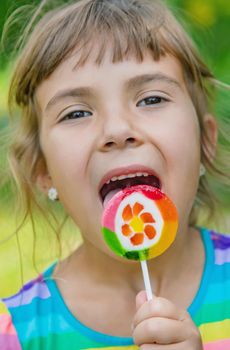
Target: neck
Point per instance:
(93, 267)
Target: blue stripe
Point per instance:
(42, 327)
(42, 317)
(217, 293)
(221, 273)
(208, 268)
(38, 307)
(80, 327)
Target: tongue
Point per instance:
(110, 195)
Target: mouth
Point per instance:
(116, 183)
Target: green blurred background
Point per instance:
(208, 23)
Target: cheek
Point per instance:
(184, 148)
(66, 154)
(180, 147)
(182, 138)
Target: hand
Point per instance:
(160, 325)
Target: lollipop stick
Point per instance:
(146, 279)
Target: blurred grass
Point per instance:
(17, 252)
(4, 83)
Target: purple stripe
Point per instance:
(220, 241)
(31, 283)
(9, 342)
(26, 286)
(25, 296)
(222, 256)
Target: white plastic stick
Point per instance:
(146, 279)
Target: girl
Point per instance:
(110, 88)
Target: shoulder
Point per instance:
(221, 245)
(211, 309)
(216, 273)
(34, 289)
(17, 311)
(220, 237)
(217, 269)
(8, 335)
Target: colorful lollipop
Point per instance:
(139, 223)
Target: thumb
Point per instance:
(141, 298)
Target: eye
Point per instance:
(151, 100)
(76, 115)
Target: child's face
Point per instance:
(134, 113)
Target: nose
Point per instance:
(119, 133)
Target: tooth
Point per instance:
(114, 178)
(121, 177)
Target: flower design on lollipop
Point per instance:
(137, 224)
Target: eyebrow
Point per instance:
(63, 94)
(135, 82)
(131, 84)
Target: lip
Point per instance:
(135, 168)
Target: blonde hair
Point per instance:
(131, 27)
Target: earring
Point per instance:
(202, 170)
(53, 194)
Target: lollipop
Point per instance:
(139, 223)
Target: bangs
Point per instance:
(128, 28)
(125, 31)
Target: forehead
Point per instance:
(69, 75)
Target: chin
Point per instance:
(111, 255)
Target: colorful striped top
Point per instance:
(37, 318)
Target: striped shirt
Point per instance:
(37, 318)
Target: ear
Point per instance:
(43, 178)
(209, 137)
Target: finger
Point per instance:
(158, 307)
(141, 298)
(161, 331)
